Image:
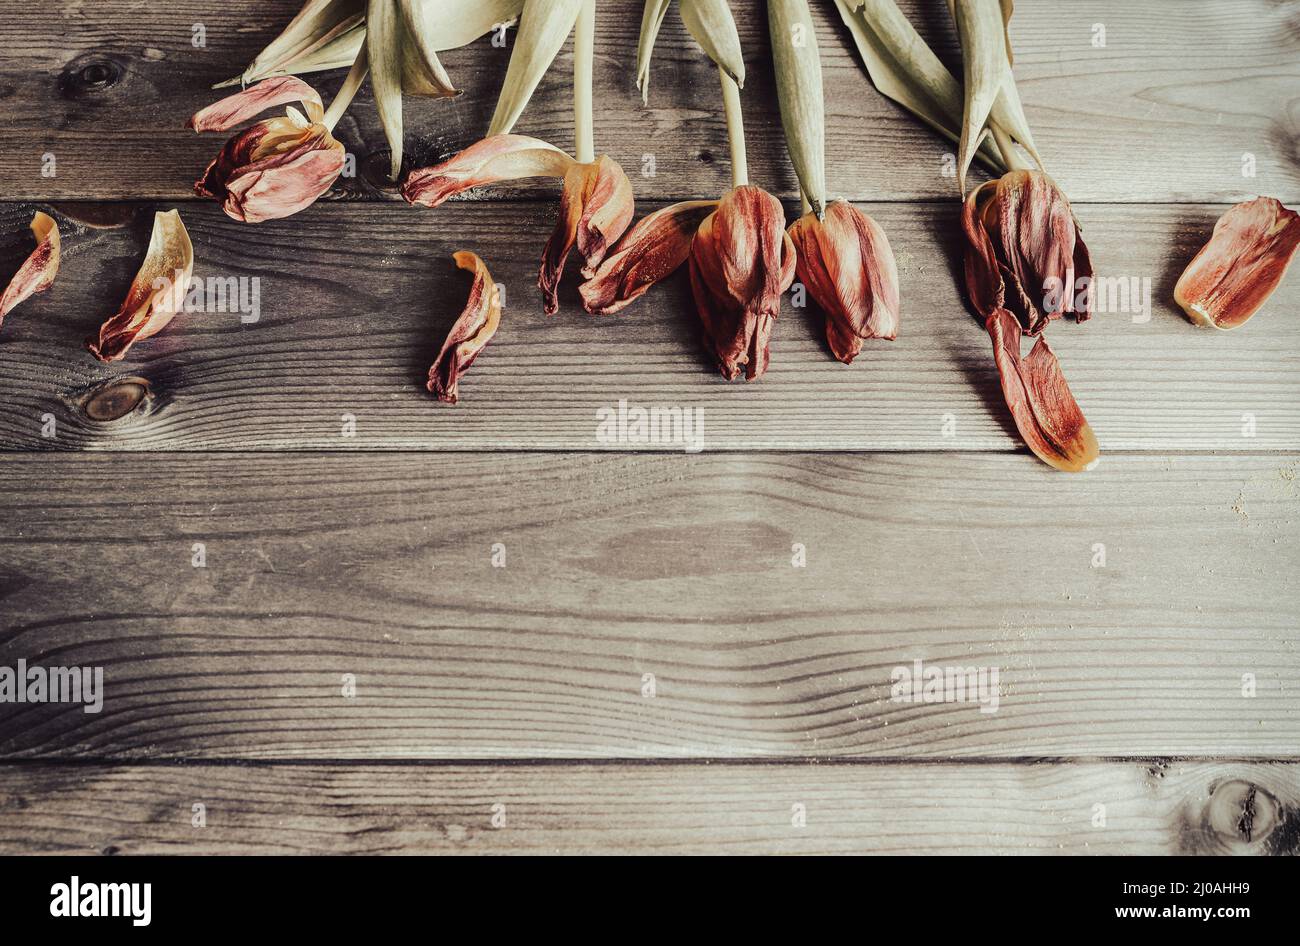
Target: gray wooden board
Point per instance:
(380, 566)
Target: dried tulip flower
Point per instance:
(156, 295)
(472, 330)
(848, 267)
(278, 166)
(37, 272)
(1237, 270)
(1025, 251)
(742, 261)
(843, 256)
(596, 204)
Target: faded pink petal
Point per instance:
(37, 272)
(156, 295)
(498, 158)
(848, 267)
(240, 107)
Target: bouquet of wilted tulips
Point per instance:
(1026, 262)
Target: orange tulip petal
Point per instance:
(156, 295)
(655, 247)
(238, 108)
(498, 158)
(1237, 270)
(472, 330)
(1045, 412)
(37, 272)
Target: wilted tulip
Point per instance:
(156, 295)
(742, 261)
(279, 165)
(848, 267)
(1023, 244)
(1245, 260)
(471, 332)
(595, 207)
(652, 250)
(1045, 412)
(37, 272)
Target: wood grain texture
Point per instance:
(618, 566)
(1167, 110)
(355, 301)
(1085, 808)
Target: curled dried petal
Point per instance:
(848, 267)
(655, 247)
(37, 272)
(238, 108)
(1237, 270)
(1045, 412)
(156, 295)
(742, 261)
(595, 209)
(493, 159)
(472, 330)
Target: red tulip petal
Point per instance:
(1045, 412)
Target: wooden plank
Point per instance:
(381, 567)
(1169, 109)
(1089, 808)
(354, 303)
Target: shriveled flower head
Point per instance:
(276, 167)
(1025, 252)
(848, 267)
(742, 261)
(595, 208)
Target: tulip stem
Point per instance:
(1010, 153)
(584, 56)
(347, 91)
(735, 129)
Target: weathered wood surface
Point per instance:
(1087, 808)
(1168, 110)
(618, 566)
(355, 301)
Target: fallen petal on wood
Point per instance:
(1045, 412)
(156, 295)
(473, 329)
(37, 272)
(1234, 274)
